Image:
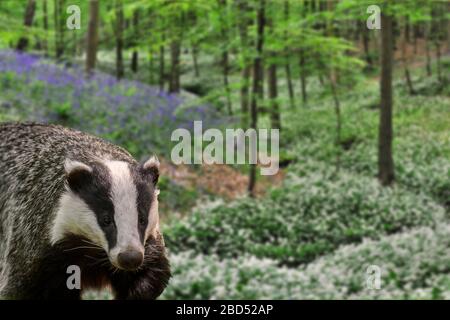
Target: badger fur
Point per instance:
(68, 198)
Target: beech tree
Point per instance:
(28, 21)
(385, 132)
(92, 36)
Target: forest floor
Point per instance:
(220, 179)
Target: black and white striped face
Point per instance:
(113, 204)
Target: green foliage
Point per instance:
(413, 264)
(175, 198)
(310, 216)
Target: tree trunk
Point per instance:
(337, 110)
(59, 28)
(226, 83)
(134, 61)
(119, 40)
(416, 35)
(287, 64)
(257, 92)
(427, 50)
(272, 84)
(303, 77)
(272, 81)
(151, 62)
(195, 61)
(175, 50)
(225, 58)
(366, 41)
(92, 36)
(287, 67)
(135, 54)
(438, 59)
(45, 24)
(385, 135)
(243, 23)
(246, 74)
(405, 59)
(161, 67)
(437, 27)
(28, 21)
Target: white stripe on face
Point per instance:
(74, 216)
(124, 198)
(153, 221)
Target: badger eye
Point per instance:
(141, 220)
(106, 220)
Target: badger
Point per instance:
(68, 198)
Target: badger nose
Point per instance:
(130, 259)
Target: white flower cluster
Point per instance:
(414, 265)
(421, 161)
(310, 216)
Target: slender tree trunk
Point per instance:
(407, 31)
(151, 63)
(366, 41)
(119, 40)
(437, 27)
(257, 92)
(287, 67)
(405, 60)
(287, 64)
(272, 81)
(45, 24)
(272, 85)
(427, 50)
(385, 135)
(303, 77)
(175, 50)
(305, 8)
(409, 81)
(415, 35)
(243, 23)
(135, 54)
(38, 45)
(161, 67)
(225, 58)
(134, 61)
(92, 36)
(246, 75)
(195, 60)
(75, 44)
(28, 21)
(59, 28)
(56, 23)
(333, 77)
(337, 110)
(226, 82)
(438, 59)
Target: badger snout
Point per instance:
(130, 259)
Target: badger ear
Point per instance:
(78, 174)
(151, 168)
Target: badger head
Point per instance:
(112, 204)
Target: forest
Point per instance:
(359, 91)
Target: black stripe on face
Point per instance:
(94, 189)
(145, 196)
